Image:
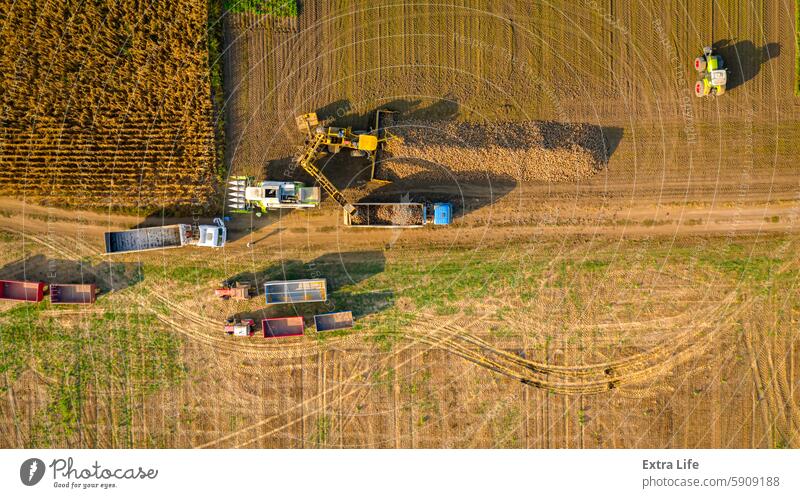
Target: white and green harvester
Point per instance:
(246, 195)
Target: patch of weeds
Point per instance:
(594, 265)
(322, 430)
(187, 274)
(110, 353)
(277, 8)
(797, 47)
(655, 223)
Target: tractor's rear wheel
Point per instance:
(700, 64)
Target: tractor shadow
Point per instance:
(109, 276)
(341, 270)
(744, 59)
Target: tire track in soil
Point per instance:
(606, 376)
(395, 353)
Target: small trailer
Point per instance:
(296, 291)
(334, 321)
(240, 328)
(398, 214)
(283, 327)
(73, 293)
(166, 237)
(239, 291)
(18, 290)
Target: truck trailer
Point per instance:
(166, 237)
(334, 321)
(18, 290)
(287, 326)
(398, 214)
(73, 293)
(296, 291)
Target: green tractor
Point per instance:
(714, 76)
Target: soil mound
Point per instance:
(527, 152)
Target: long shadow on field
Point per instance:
(340, 269)
(109, 276)
(744, 59)
(342, 112)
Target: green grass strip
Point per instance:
(797, 47)
(277, 8)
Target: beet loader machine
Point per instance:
(323, 140)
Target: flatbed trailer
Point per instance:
(296, 291)
(73, 293)
(19, 290)
(334, 321)
(396, 214)
(287, 326)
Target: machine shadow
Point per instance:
(342, 112)
(612, 136)
(339, 269)
(744, 59)
(466, 193)
(108, 276)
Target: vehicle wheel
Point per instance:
(699, 89)
(700, 64)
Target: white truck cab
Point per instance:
(212, 235)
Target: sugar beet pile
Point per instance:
(528, 152)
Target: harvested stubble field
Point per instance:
(106, 104)
(652, 304)
(526, 151)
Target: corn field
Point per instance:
(105, 103)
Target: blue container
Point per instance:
(442, 213)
